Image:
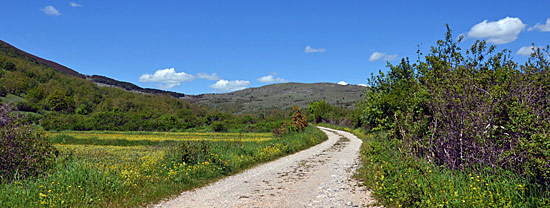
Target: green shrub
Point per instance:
(320, 111)
(219, 126)
(192, 152)
(27, 106)
(23, 152)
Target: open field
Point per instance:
(165, 136)
(128, 169)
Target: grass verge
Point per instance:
(397, 180)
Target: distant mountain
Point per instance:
(12, 51)
(281, 96)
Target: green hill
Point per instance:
(11, 51)
(57, 97)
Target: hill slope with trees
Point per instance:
(58, 98)
(11, 51)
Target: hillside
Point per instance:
(251, 100)
(281, 96)
(12, 51)
(56, 97)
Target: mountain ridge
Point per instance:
(281, 96)
(249, 100)
(16, 52)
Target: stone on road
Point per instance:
(317, 177)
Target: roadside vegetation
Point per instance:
(398, 180)
(128, 169)
(457, 129)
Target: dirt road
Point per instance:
(317, 177)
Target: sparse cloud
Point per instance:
(382, 56)
(51, 11)
(309, 49)
(527, 50)
(541, 27)
(75, 4)
(212, 76)
(498, 32)
(342, 83)
(228, 86)
(168, 77)
(362, 85)
(270, 79)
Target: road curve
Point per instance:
(317, 177)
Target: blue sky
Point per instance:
(198, 47)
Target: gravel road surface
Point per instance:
(317, 177)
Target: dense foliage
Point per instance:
(475, 110)
(402, 180)
(23, 152)
(324, 112)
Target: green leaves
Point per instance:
(472, 109)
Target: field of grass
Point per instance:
(400, 181)
(162, 136)
(129, 169)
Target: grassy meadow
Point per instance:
(128, 169)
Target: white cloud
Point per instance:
(309, 49)
(227, 86)
(212, 76)
(380, 55)
(541, 27)
(390, 57)
(342, 83)
(169, 77)
(376, 55)
(75, 4)
(527, 50)
(50, 10)
(499, 32)
(362, 85)
(270, 79)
